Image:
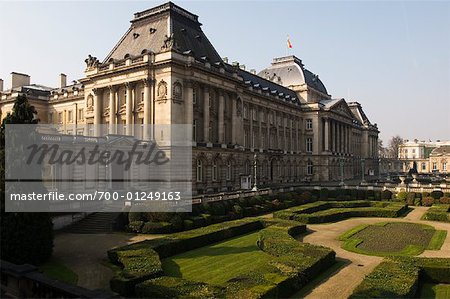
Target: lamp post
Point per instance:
(255, 188)
(341, 164)
(379, 169)
(363, 181)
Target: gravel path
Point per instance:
(343, 281)
(86, 255)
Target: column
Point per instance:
(327, 135)
(206, 114)
(147, 109)
(128, 109)
(97, 111)
(112, 110)
(233, 119)
(291, 119)
(251, 137)
(221, 118)
(268, 129)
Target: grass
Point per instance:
(392, 238)
(217, 263)
(55, 269)
(438, 291)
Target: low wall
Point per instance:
(25, 281)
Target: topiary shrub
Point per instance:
(445, 200)
(436, 194)
(134, 216)
(237, 209)
(401, 196)
(428, 201)
(177, 222)
(386, 195)
(188, 224)
(417, 201)
(135, 226)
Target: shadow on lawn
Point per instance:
(220, 250)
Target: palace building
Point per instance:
(164, 70)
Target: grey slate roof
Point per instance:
(165, 26)
(266, 85)
(289, 71)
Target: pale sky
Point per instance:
(393, 56)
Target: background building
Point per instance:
(429, 157)
(164, 70)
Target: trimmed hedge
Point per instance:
(390, 279)
(141, 261)
(321, 212)
(399, 277)
(438, 213)
(295, 263)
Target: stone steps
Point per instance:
(96, 223)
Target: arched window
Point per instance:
(214, 171)
(229, 170)
(199, 170)
(309, 168)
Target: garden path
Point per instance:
(86, 255)
(342, 282)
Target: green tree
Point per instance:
(25, 237)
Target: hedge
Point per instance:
(295, 263)
(438, 213)
(141, 261)
(390, 279)
(321, 212)
(399, 277)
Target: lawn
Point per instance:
(393, 238)
(55, 269)
(217, 263)
(438, 291)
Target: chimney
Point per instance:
(1, 85)
(225, 59)
(18, 80)
(63, 80)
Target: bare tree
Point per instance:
(382, 151)
(394, 145)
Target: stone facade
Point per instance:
(164, 70)
(428, 157)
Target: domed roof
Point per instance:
(289, 71)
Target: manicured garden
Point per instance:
(329, 211)
(438, 212)
(247, 258)
(402, 277)
(393, 238)
(217, 263)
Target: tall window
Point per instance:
(50, 118)
(309, 168)
(424, 166)
(246, 137)
(247, 167)
(444, 166)
(199, 173)
(254, 113)
(263, 141)
(70, 116)
(194, 130)
(309, 124)
(60, 117)
(309, 145)
(80, 114)
(194, 96)
(229, 170)
(434, 166)
(214, 171)
(245, 111)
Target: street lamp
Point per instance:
(363, 181)
(341, 164)
(379, 169)
(255, 188)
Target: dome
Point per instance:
(289, 71)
